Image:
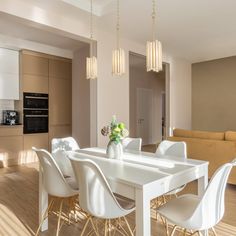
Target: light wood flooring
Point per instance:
(19, 206)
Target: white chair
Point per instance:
(96, 197)
(132, 144)
(55, 185)
(59, 148)
(196, 213)
(170, 148)
(175, 149)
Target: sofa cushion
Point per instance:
(230, 135)
(199, 134)
(182, 133)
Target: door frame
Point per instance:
(167, 90)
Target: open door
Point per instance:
(144, 114)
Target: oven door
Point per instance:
(35, 101)
(35, 122)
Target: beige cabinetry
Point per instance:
(11, 145)
(60, 97)
(39, 73)
(34, 140)
(34, 71)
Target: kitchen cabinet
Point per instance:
(9, 74)
(39, 73)
(34, 140)
(11, 145)
(34, 72)
(60, 97)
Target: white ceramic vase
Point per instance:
(114, 151)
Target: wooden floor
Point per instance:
(19, 206)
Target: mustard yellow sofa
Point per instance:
(215, 147)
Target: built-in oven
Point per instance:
(35, 117)
(35, 101)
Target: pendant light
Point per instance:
(154, 47)
(118, 54)
(91, 62)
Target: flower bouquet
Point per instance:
(116, 132)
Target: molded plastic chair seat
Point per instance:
(72, 183)
(179, 208)
(55, 185)
(124, 202)
(175, 149)
(200, 213)
(96, 196)
(133, 144)
(59, 148)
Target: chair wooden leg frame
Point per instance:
(185, 232)
(110, 228)
(64, 217)
(45, 216)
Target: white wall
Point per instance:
(80, 98)
(17, 44)
(112, 93)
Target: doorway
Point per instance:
(144, 114)
(148, 101)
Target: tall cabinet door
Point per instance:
(60, 98)
(34, 72)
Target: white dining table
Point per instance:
(141, 176)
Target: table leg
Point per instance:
(143, 222)
(43, 201)
(202, 184)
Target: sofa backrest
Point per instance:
(230, 136)
(201, 134)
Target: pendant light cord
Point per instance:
(118, 24)
(153, 19)
(91, 19)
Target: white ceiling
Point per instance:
(192, 29)
(195, 30)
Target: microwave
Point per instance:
(35, 101)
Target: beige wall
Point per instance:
(140, 78)
(80, 98)
(214, 95)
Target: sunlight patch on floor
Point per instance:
(10, 224)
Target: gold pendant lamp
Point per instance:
(91, 62)
(154, 47)
(118, 54)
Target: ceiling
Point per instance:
(195, 30)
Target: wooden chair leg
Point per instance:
(173, 230)
(94, 227)
(59, 217)
(45, 215)
(105, 231)
(214, 231)
(128, 225)
(85, 226)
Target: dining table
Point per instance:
(141, 176)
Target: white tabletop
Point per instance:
(139, 168)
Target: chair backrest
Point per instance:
(170, 148)
(59, 148)
(95, 197)
(132, 144)
(53, 180)
(212, 205)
